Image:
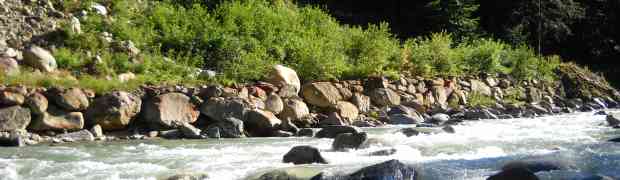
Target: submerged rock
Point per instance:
(392, 169)
(278, 175)
(188, 177)
(385, 152)
(303, 155)
(536, 165)
(82, 135)
(349, 141)
(333, 131)
(514, 174)
(613, 119)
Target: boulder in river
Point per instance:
(295, 110)
(11, 139)
(278, 175)
(613, 119)
(349, 141)
(392, 169)
(333, 131)
(615, 140)
(113, 111)
(14, 118)
(189, 131)
(192, 176)
(220, 108)
(405, 119)
(169, 110)
(305, 132)
(303, 155)
(514, 174)
(384, 152)
(229, 127)
(259, 123)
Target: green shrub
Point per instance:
(476, 99)
(434, 56)
(484, 55)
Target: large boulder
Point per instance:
(295, 110)
(480, 87)
(303, 155)
(321, 94)
(10, 98)
(274, 104)
(347, 111)
(229, 127)
(9, 66)
(613, 119)
(284, 76)
(169, 110)
(72, 99)
(392, 169)
(14, 118)
(221, 108)
(440, 95)
(349, 141)
(113, 111)
(56, 119)
(260, 123)
(514, 174)
(384, 97)
(40, 59)
(333, 131)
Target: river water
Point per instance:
(475, 151)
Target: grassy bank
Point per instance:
(240, 40)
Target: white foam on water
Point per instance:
(236, 159)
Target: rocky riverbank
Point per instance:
(282, 106)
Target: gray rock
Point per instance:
(349, 141)
(305, 132)
(362, 102)
(613, 119)
(171, 134)
(303, 155)
(274, 104)
(514, 174)
(96, 131)
(347, 111)
(537, 165)
(214, 132)
(385, 152)
(278, 175)
(230, 128)
(260, 123)
(480, 87)
(56, 119)
(333, 119)
(114, 111)
(615, 139)
(14, 118)
(384, 97)
(12, 139)
(295, 110)
(37, 103)
(189, 131)
(401, 109)
(392, 169)
(333, 131)
(220, 108)
(9, 66)
(405, 119)
(72, 99)
(192, 176)
(448, 129)
(169, 111)
(439, 118)
(321, 94)
(82, 135)
(40, 58)
(284, 76)
(419, 130)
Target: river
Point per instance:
(475, 151)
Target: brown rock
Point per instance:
(55, 119)
(169, 110)
(9, 98)
(384, 97)
(114, 111)
(260, 123)
(72, 99)
(322, 94)
(284, 76)
(274, 104)
(347, 111)
(362, 102)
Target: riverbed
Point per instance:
(475, 151)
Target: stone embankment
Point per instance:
(281, 106)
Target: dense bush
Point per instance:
(241, 40)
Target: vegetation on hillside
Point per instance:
(241, 40)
